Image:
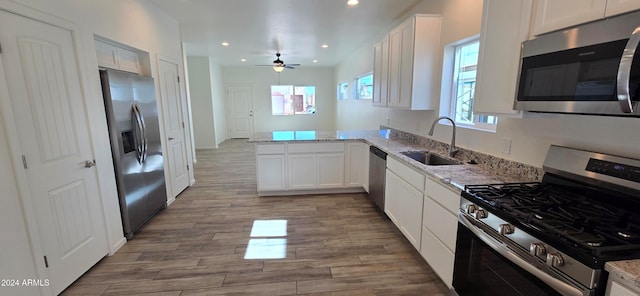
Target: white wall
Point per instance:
(137, 23)
(219, 94)
(261, 78)
(201, 102)
(531, 137)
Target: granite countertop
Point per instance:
(626, 272)
(453, 176)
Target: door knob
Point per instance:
(90, 163)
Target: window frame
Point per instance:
(450, 85)
(357, 86)
(293, 92)
(342, 95)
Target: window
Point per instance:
(462, 83)
(364, 87)
(343, 89)
(293, 100)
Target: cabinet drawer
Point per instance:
(270, 149)
(440, 222)
(316, 147)
(411, 176)
(438, 256)
(450, 200)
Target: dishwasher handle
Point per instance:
(378, 152)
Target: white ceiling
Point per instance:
(256, 29)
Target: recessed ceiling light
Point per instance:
(352, 2)
(315, 61)
(243, 60)
(325, 46)
(225, 43)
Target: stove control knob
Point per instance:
(537, 249)
(481, 214)
(471, 208)
(554, 260)
(505, 229)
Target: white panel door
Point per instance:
(174, 128)
(41, 69)
(240, 105)
(620, 6)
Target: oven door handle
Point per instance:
(562, 287)
(624, 72)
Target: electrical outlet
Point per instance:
(506, 145)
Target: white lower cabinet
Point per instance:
(355, 166)
(439, 257)
(303, 171)
(309, 167)
(617, 289)
(330, 170)
(439, 229)
(270, 167)
(403, 201)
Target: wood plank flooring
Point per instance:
(333, 245)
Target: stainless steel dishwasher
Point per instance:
(377, 173)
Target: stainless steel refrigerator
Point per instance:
(134, 131)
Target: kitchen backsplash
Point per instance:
(495, 164)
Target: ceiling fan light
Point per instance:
(352, 2)
(278, 68)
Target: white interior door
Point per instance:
(174, 127)
(39, 62)
(240, 105)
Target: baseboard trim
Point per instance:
(311, 191)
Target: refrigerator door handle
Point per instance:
(137, 132)
(144, 134)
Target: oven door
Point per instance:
(486, 267)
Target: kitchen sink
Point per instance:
(429, 158)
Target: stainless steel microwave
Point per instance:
(589, 69)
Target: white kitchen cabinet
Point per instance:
(505, 25)
(270, 167)
(380, 72)
(438, 256)
(617, 289)
(365, 167)
(354, 166)
(114, 57)
(620, 6)
(404, 201)
(439, 228)
(413, 64)
(551, 15)
(303, 171)
(330, 170)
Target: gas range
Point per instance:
(565, 228)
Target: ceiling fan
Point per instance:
(279, 65)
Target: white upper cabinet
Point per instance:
(505, 25)
(114, 57)
(552, 15)
(620, 6)
(380, 72)
(410, 64)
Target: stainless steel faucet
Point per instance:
(452, 148)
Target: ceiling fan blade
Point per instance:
(263, 65)
(289, 67)
(295, 65)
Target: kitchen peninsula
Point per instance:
(488, 169)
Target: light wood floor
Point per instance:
(335, 244)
